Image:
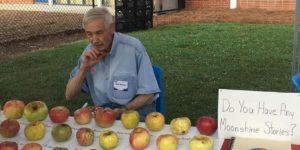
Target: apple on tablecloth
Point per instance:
(61, 132)
(201, 142)
(59, 114)
(155, 121)
(206, 125)
(104, 117)
(180, 125)
(9, 128)
(108, 139)
(85, 136)
(36, 111)
(32, 146)
(130, 119)
(35, 131)
(13, 109)
(8, 145)
(83, 116)
(139, 138)
(167, 142)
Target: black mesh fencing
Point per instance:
(21, 20)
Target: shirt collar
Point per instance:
(114, 44)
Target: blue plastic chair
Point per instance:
(296, 81)
(160, 102)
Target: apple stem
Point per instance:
(84, 105)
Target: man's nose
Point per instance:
(94, 37)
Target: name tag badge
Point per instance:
(121, 85)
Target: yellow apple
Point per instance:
(130, 119)
(201, 142)
(35, 131)
(108, 139)
(155, 121)
(167, 142)
(180, 126)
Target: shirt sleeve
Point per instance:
(147, 83)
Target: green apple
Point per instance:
(180, 126)
(201, 142)
(36, 111)
(108, 139)
(61, 132)
(130, 119)
(35, 131)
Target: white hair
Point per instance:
(104, 13)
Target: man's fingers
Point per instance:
(94, 54)
(88, 55)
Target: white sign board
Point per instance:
(254, 114)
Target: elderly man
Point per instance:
(114, 68)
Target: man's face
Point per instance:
(99, 35)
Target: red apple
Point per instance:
(32, 146)
(206, 125)
(83, 116)
(139, 138)
(85, 136)
(8, 145)
(59, 114)
(104, 117)
(9, 128)
(13, 109)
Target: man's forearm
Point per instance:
(74, 85)
(140, 101)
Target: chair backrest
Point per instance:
(296, 81)
(160, 102)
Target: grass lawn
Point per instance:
(197, 60)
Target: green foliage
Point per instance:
(197, 60)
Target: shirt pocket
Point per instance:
(123, 86)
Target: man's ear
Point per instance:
(113, 27)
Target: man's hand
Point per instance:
(118, 112)
(91, 58)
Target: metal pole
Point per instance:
(295, 53)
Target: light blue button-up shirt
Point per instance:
(124, 73)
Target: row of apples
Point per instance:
(37, 111)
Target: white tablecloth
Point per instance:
(48, 143)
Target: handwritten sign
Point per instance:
(255, 114)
